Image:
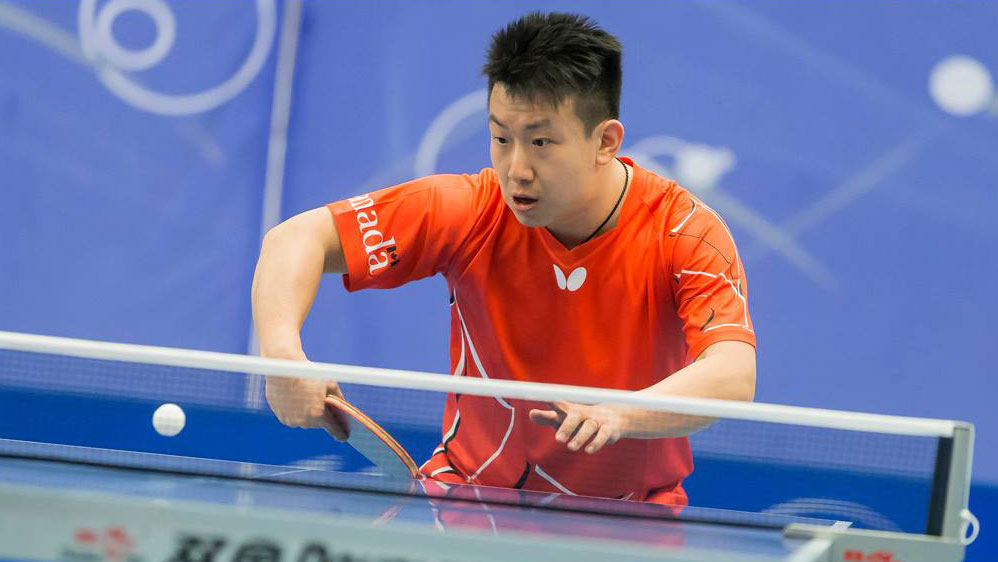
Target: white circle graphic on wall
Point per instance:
(113, 61)
(961, 85)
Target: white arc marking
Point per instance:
(436, 134)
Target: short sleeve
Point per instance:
(406, 232)
(708, 280)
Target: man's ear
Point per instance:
(611, 137)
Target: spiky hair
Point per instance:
(552, 57)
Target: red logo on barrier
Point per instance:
(113, 543)
(860, 556)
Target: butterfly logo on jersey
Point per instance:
(574, 280)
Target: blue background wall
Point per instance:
(863, 204)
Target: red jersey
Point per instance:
(623, 310)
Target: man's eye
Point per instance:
(541, 142)
(500, 140)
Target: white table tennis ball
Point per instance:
(168, 420)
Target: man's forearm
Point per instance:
(284, 286)
(724, 371)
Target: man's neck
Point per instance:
(580, 228)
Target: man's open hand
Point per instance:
(578, 424)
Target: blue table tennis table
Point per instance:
(81, 504)
(74, 503)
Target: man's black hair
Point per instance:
(553, 57)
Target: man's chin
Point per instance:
(529, 219)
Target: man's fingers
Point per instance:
(568, 426)
(562, 406)
(606, 436)
(587, 429)
(334, 422)
(333, 389)
(546, 417)
(337, 431)
(298, 402)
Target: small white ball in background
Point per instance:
(961, 85)
(168, 420)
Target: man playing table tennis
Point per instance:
(565, 264)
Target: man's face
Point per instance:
(545, 161)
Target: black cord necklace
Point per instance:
(627, 177)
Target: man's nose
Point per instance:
(519, 167)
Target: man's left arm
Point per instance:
(724, 370)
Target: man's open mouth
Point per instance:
(523, 203)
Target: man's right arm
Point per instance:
(293, 257)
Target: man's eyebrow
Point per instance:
(529, 127)
(538, 124)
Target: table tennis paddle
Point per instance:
(376, 444)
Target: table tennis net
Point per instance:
(874, 471)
